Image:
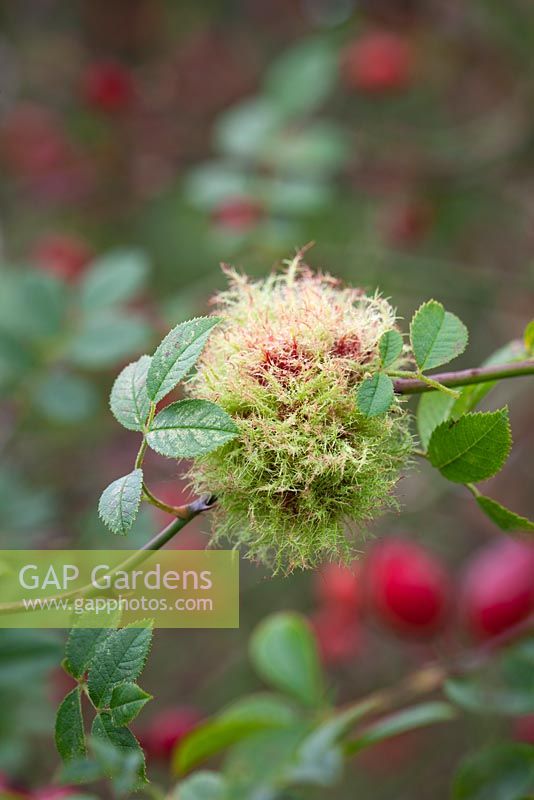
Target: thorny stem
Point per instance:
(176, 511)
(189, 512)
(465, 377)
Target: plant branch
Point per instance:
(431, 677)
(176, 511)
(465, 377)
(189, 512)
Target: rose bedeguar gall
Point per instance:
(307, 469)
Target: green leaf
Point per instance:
(81, 770)
(432, 409)
(480, 697)
(294, 195)
(261, 765)
(129, 401)
(202, 786)
(118, 658)
(319, 150)
(402, 721)
(81, 647)
(240, 720)
(26, 656)
(471, 448)
(323, 767)
(528, 338)
(506, 520)
(123, 765)
(16, 360)
(435, 407)
(65, 398)
(120, 502)
(301, 79)
(176, 355)
(114, 278)
(321, 746)
(122, 740)
(504, 687)
(40, 306)
(284, 653)
(190, 428)
(390, 348)
(500, 772)
(375, 395)
(69, 733)
(126, 702)
(245, 129)
(213, 182)
(106, 338)
(437, 336)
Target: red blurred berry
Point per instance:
(338, 637)
(237, 214)
(168, 729)
(338, 587)
(498, 587)
(408, 224)
(108, 86)
(53, 793)
(407, 587)
(378, 62)
(524, 729)
(32, 141)
(62, 255)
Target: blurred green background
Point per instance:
(142, 142)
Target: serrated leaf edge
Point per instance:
(156, 398)
(445, 312)
(448, 423)
(122, 531)
(144, 623)
(115, 382)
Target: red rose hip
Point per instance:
(378, 62)
(338, 637)
(61, 255)
(498, 588)
(407, 588)
(108, 86)
(237, 214)
(338, 587)
(168, 729)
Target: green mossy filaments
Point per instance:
(307, 467)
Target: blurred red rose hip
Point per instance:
(238, 214)
(407, 587)
(32, 141)
(168, 729)
(54, 793)
(338, 587)
(108, 86)
(498, 587)
(408, 224)
(523, 729)
(378, 62)
(338, 637)
(62, 255)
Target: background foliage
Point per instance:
(143, 142)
